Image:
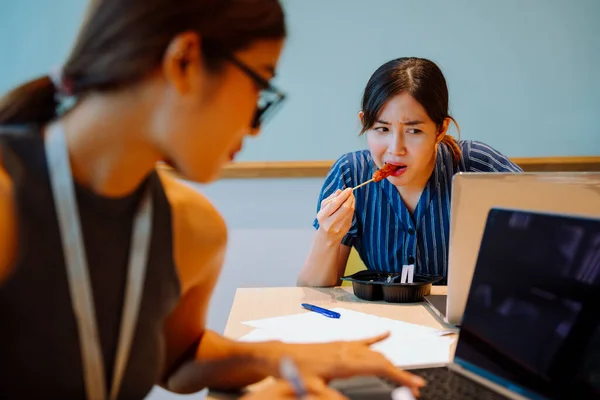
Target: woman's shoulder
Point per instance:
(14, 139)
(349, 169)
(193, 206)
(7, 222)
(353, 162)
(199, 230)
(480, 157)
(469, 145)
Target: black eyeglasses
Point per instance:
(270, 98)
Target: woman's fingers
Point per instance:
(333, 205)
(375, 339)
(379, 365)
(336, 200)
(331, 197)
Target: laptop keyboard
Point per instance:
(364, 388)
(443, 383)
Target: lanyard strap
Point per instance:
(82, 301)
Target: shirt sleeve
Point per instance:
(339, 177)
(483, 158)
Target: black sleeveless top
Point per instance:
(39, 345)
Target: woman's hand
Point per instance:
(345, 359)
(335, 215)
(316, 390)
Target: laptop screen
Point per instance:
(532, 320)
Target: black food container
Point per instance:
(375, 286)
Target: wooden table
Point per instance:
(256, 303)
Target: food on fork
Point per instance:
(381, 174)
(384, 172)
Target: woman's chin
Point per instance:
(398, 180)
(203, 174)
(208, 176)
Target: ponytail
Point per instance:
(33, 102)
(452, 144)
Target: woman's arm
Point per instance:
(8, 231)
(215, 361)
(198, 358)
(327, 257)
(325, 263)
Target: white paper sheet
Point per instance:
(402, 352)
(409, 345)
(352, 325)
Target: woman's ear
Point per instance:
(443, 130)
(182, 62)
(361, 114)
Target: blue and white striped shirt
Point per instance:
(384, 233)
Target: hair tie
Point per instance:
(65, 96)
(62, 85)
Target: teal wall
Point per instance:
(35, 37)
(523, 74)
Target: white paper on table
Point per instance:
(428, 350)
(403, 352)
(352, 325)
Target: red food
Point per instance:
(384, 172)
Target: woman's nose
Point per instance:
(397, 147)
(254, 131)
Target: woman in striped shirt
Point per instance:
(403, 219)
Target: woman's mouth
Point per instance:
(399, 169)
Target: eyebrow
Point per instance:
(410, 123)
(416, 122)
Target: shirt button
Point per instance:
(411, 260)
(411, 231)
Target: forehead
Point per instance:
(403, 107)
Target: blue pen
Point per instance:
(289, 372)
(323, 311)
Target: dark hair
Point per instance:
(121, 42)
(419, 77)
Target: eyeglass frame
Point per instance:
(264, 86)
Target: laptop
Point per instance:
(474, 194)
(531, 327)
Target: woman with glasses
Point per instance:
(107, 264)
(404, 219)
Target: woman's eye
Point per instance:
(414, 131)
(381, 129)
